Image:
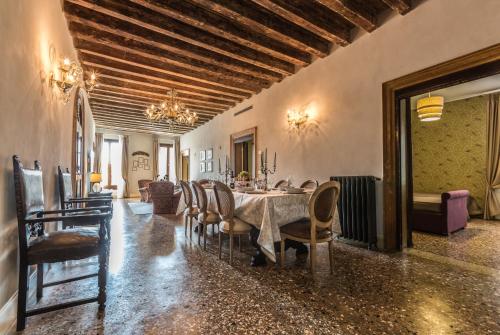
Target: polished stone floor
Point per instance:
(478, 243)
(161, 283)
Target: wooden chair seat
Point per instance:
(240, 227)
(64, 245)
(302, 229)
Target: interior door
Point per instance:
(78, 149)
(185, 166)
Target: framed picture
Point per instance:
(202, 155)
(209, 154)
(209, 166)
(202, 167)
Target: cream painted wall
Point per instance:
(344, 91)
(34, 123)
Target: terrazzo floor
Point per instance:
(161, 283)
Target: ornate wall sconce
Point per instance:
(297, 118)
(91, 82)
(70, 73)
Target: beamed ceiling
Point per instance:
(215, 53)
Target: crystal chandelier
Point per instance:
(172, 111)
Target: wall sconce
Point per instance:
(297, 118)
(91, 82)
(69, 74)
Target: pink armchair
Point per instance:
(165, 198)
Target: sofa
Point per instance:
(442, 213)
(165, 197)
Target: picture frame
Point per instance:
(210, 166)
(202, 167)
(209, 154)
(202, 155)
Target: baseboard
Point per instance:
(8, 313)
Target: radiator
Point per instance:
(357, 209)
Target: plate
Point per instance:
(256, 192)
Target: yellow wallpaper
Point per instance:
(450, 154)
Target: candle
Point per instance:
(219, 165)
(274, 161)
(261, 160)
(266, 157)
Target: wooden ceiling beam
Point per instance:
(328, 25)
(134, 128)
(109, 25)
(144, 18)
(98, 63)
(351, 11)
(402, 6)
(265, 22)
(108, 54)
(139, 131)
(221, 26)
(130, 119)
(144, 86)
(140, 110)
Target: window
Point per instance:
(166, 161)
(111, 158)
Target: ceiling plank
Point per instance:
(144, 18)
(265, 22)
(140, 111)
(175, 47)
(130, 119)
(402, 6)
(328, 25)
(221, 26)
(128, 130)
(129, 127)
(351, 11)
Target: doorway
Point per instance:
(185, 165)
(243, 151)
(398, 174)
(78, 150)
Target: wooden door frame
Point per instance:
(189, 159)
(233, 137)
(469, 67)
(78, 101)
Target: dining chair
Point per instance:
(310, 184)
(191, 211)
(205, 217)
(203, 181)
(38, 246)
(319, 227)
(229, 224)
(280, 183)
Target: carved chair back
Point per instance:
(201, 196)
(225, 201)
(65, 186)
(322, 205)
(188, 195)
(310, 184)
(280, 183)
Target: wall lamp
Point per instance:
(91, 82)
(70, 73)
(297, 118)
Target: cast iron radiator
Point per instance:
(356, 207)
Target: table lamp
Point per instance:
(95, 179)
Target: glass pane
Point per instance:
(104, 163)
(116, 163)
(162, 162)
(171, 173)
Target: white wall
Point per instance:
(345, 92)
(34, 123)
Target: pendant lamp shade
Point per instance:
(430, 108)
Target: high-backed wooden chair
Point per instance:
(191, 211)
(280, 183)
(36, 246)
(229, 224)
(205, 217)
(310, 184)
(317, 229)
(69, 202)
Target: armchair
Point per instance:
(165, 198)
(36, 246)
(144, 189)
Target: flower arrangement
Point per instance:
(243, 176)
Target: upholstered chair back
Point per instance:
(225, 200)
(310, 184)
(65, 185)
(188, 195)
(201, 196)
(203, 181)
(323, 203)
(280, 183)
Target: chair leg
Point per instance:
(190, 227)
(200, 231)
(330, 255)
(103, 274)
(231, 237)
(21, 298)
(205, 228)
(39, 281)
(282, 253)
(220, 245)
(239, 243)
(313, 258)
(185, 225)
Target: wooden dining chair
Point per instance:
(310, 184)
(280, 183)
(229, 224)
(317, 229)
(37, 246)
(205, 217)
(191, 211)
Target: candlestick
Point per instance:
(274, 165)
(266, 157)
(219, 166)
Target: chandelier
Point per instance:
(172, 111)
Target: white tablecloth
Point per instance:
(267, 212)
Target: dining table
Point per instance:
(266, 211)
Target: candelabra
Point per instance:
(227, 172)
(266, 171)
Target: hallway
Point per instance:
(161, 283)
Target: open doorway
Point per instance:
(185, 165)
(243, 151)
(111, 158)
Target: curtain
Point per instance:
(156, 152)
(99, 141)
(492, 199)
(177, 159)
(126, 193)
